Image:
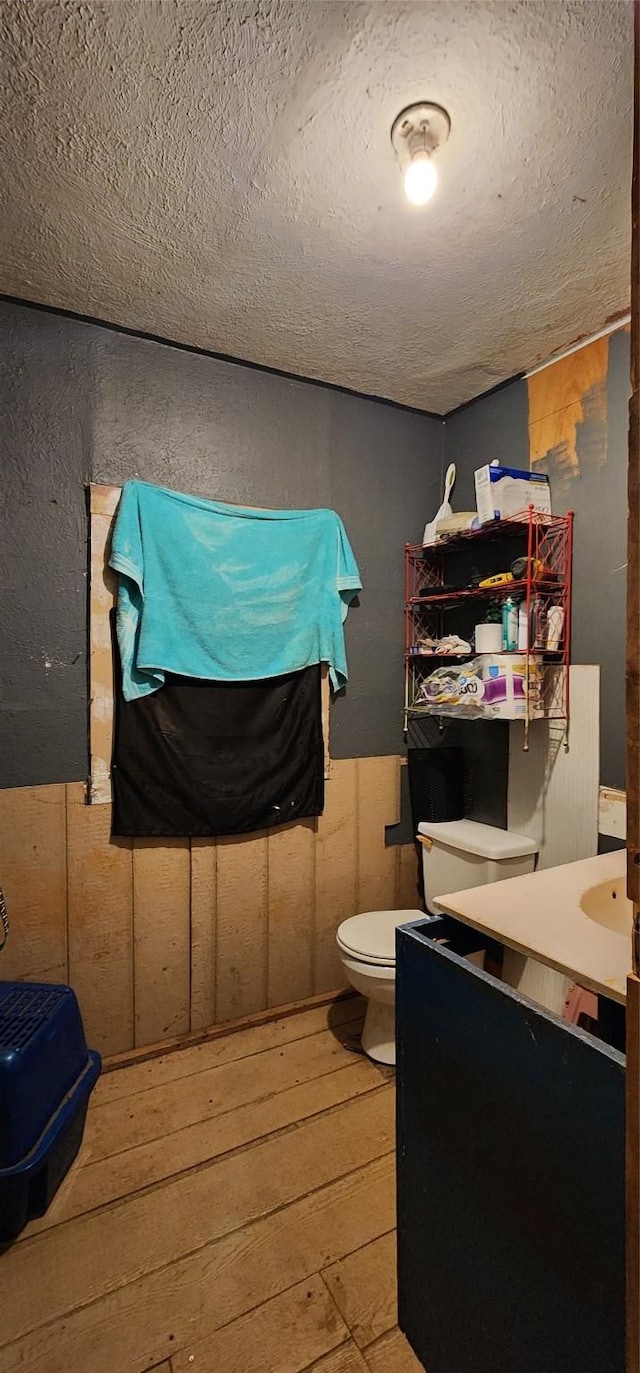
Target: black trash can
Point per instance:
(436, 784)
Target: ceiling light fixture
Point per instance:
(416, 134)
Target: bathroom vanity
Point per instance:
(574, 919)
(510, 1152)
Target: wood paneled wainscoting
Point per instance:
(163, 937)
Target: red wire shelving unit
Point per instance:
(548, 540)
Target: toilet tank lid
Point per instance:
(484, 841)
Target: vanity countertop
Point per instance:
(540, 915)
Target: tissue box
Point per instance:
(505, 491)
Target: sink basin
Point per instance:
(609, 905)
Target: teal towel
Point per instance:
(226, 593)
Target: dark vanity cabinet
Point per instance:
(510, 1173)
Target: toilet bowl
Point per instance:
(367, 947)
(455, 856)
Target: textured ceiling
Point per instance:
(221, 174)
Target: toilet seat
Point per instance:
(371, 937)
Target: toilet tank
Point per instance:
(462, 854)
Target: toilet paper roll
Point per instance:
(488, 638)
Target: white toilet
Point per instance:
(455, 856)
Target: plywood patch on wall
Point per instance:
(291, 854)
(100, 922)
(204, 923)
(378, 792)
(160, 937)
(33, 875)
(408, 896)
(241, 964)
(568, 413)
(336, 885)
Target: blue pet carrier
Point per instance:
(46, 1077)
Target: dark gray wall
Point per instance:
(80, 403)
(46, 390)
(496, 426)
(83, 403)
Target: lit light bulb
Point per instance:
(420, 179)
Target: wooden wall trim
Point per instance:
(248, 1022)
(103, 503)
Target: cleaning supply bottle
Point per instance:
(523, 628)
(509, 625)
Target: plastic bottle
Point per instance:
(509, 625)
(523, 628)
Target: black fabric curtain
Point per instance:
(201, 758)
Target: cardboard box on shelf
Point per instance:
(505, 491)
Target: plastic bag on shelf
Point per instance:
(458, 689)
(491, 686)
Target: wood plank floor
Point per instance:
(232, 1211)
